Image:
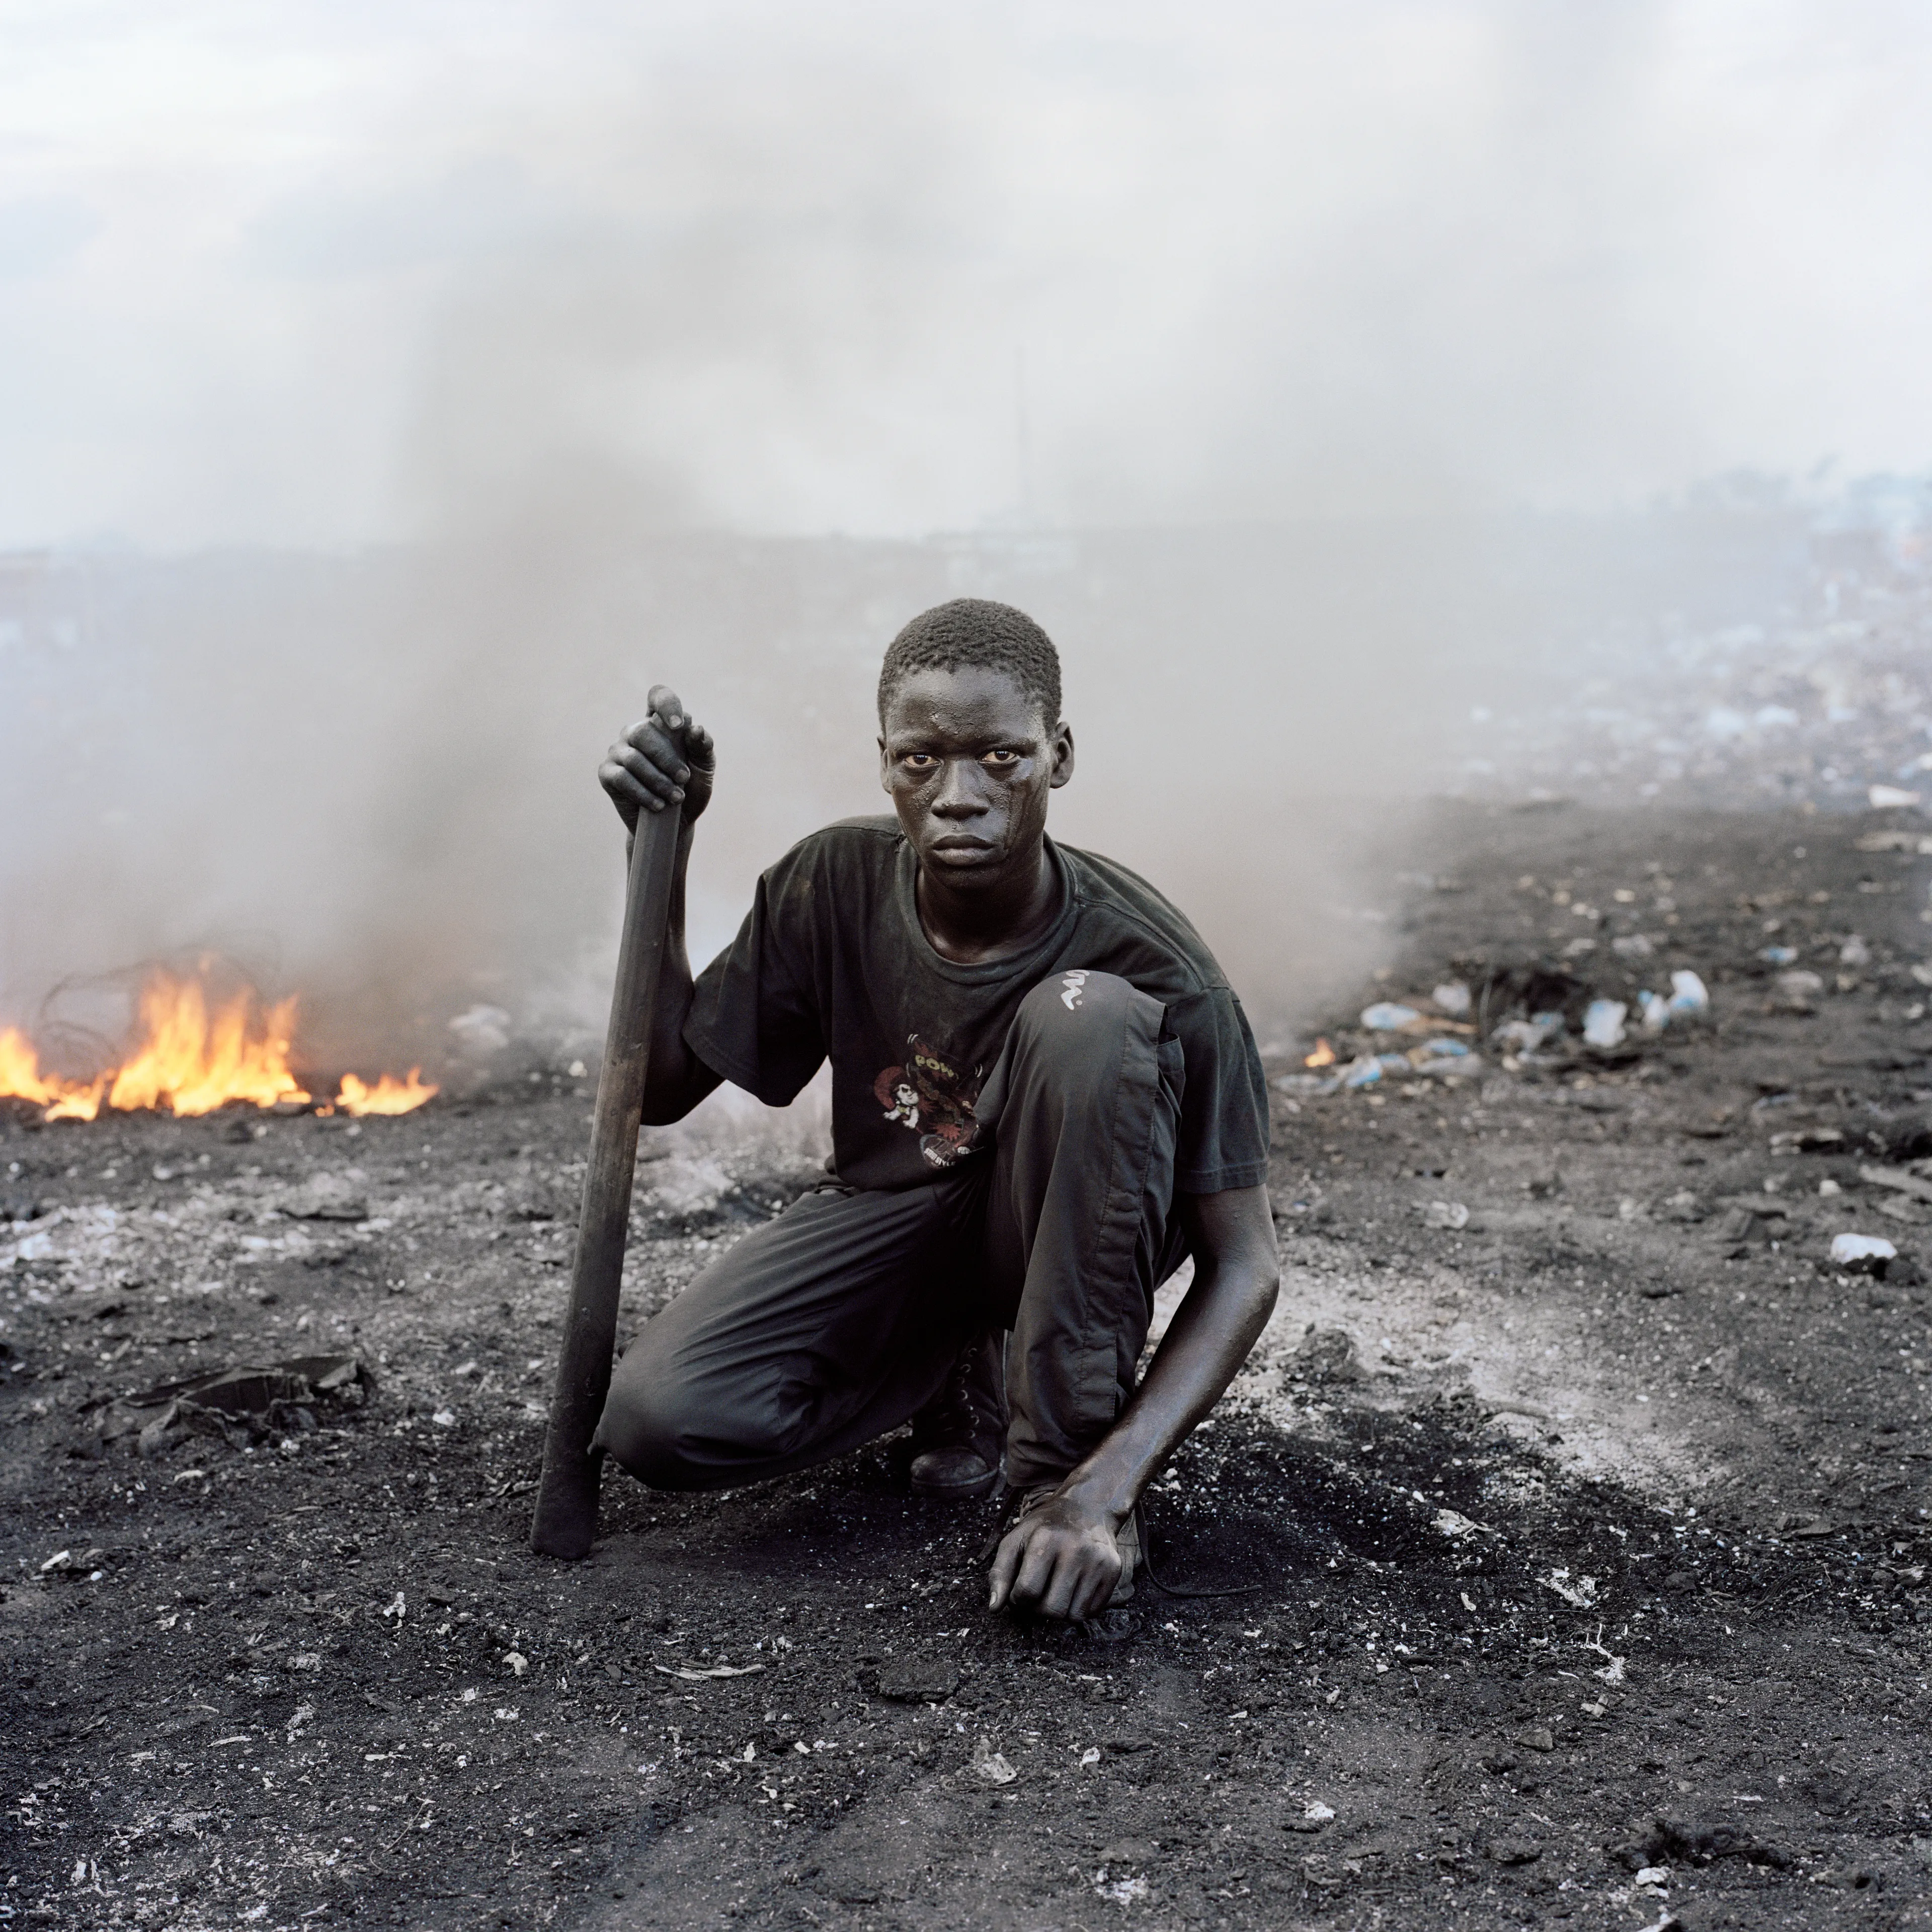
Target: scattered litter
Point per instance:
(1799, 988)
(1854, 951)
(988, 1766)
(397, 1609)
(1632, 946)
(1612, 1669)
(1316, 1812)
(1603, 1023)
(1580, 1591)
(699, 1676)
(1862, 1254)
(1654, 1011)
(1452, 1522)
(1452, 999)
(1363, 1072)
(1091, 1755)
(1536, 1738)
(61, 1560)
(1689, 997)
(1386, 1016)
(244, 1403)
(1890, 798)
(444, 1418)
(1527, 1036)
(516, 1662)
(1897, 1179)
(1452, 1214)
(916, 1682)
(1779, 955)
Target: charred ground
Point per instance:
(1582, 1541)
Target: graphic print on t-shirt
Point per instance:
(935, 1100)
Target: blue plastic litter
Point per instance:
(1603, 1023)
(1386, 1016)
(1688, 995)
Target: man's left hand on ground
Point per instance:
(1062, 1559)
(1059, 1560)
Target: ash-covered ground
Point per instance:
(1580, 1506)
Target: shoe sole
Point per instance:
(958, 1492)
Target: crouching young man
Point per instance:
(1045, 1095)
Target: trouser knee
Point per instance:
(1077, 1018)
(646, 1426)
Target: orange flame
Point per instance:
(192, 1058)
(21, 1079)
(389, 1096)
(1324, 1055)
(197, 1060)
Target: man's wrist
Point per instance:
(1102, 1493)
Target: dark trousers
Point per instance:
(835, 1322)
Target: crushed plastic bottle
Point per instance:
(1854, 1251)
(1778, 955)
(1688, 996)
(1655, 1010)
(1364, 1073)
(1526, 1035)
(1603, 1023)
(1451, 1000)
(1386, 1016)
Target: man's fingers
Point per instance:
(647, 772)
(1097, 1588)
(1005, 1566)
(650, 741)
(1036, 1576)
(664, 704)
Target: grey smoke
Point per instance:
(455, 400)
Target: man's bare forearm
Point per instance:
(1237, 1278)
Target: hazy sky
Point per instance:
(327, 274)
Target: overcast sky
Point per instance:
(331, 274)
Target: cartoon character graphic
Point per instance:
(934, 1100)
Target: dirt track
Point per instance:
(1668, 1651)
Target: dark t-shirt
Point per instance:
(831, 960)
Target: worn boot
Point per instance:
(958, 1436)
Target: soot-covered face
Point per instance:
(968, 762)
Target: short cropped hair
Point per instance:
(974, 631)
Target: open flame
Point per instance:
(389, 1096)
(192, 1056)
(1324, 1055)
